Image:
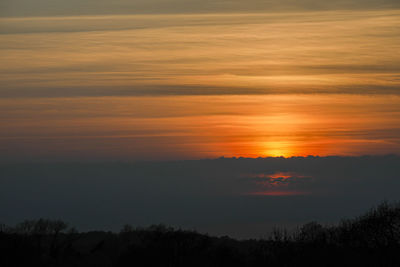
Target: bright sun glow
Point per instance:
(277, 149)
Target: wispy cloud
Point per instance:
(178, 127)
(278, 183)
(303, 52)
(79, 7)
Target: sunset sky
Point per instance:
(132, 80)
(156, 80)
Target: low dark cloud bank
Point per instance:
(240, 197)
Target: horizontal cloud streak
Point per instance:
(309, 52)
(101, 91)
(178, 127)
(79, 7)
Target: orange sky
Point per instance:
(133, 87)
(169, 127)
(326, 51)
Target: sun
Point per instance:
(277, 149)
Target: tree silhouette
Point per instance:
(372, 239)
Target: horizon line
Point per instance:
(39, 161)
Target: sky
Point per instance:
(132, 87)
(10, 8)
(178, 82)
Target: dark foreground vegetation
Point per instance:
(369, 240)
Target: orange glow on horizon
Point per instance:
(277, 149)
(193, 127)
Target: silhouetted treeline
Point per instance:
(372, 239)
